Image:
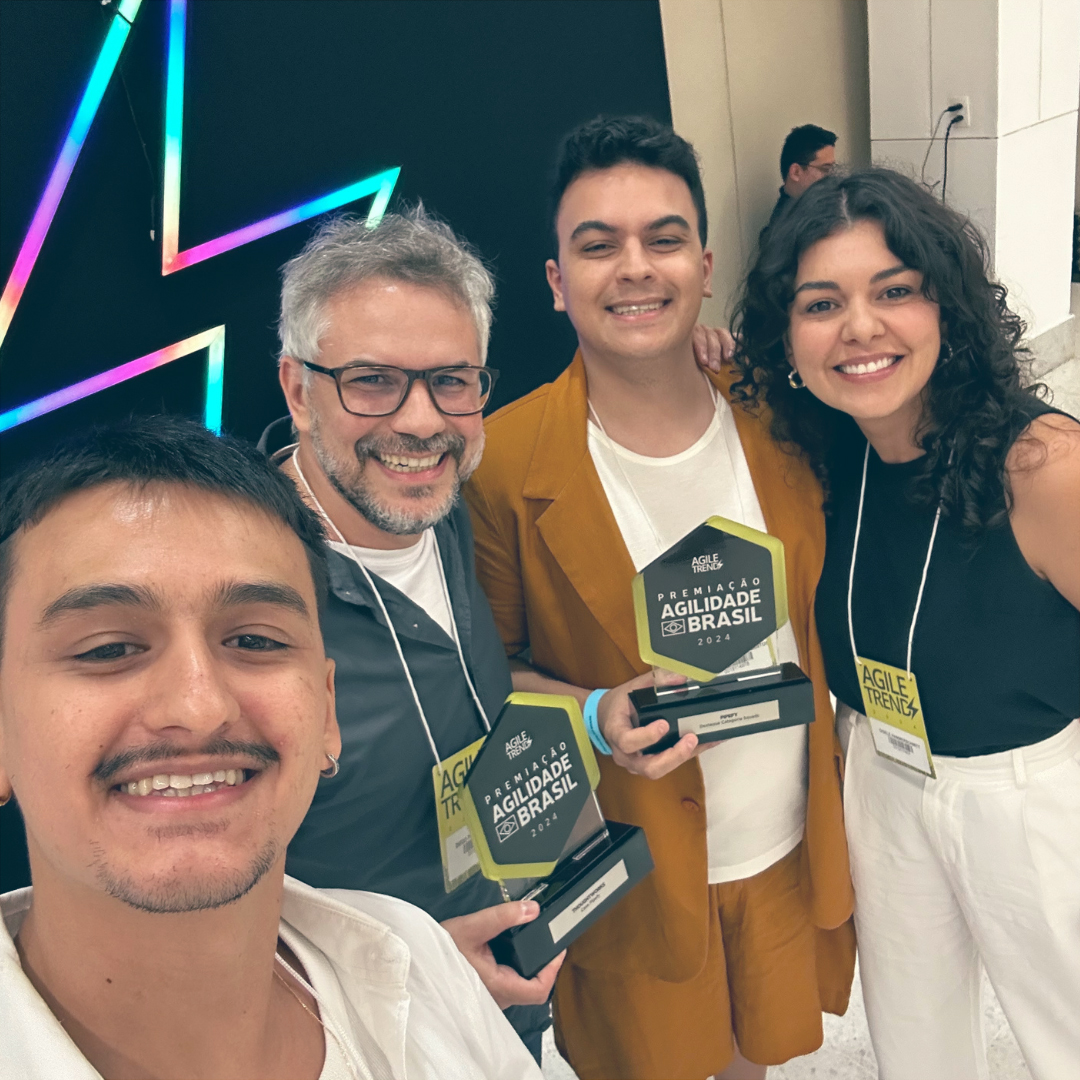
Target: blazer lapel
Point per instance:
(790, 502)
(769, 465)
(578, 526)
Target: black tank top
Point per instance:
(997, 648)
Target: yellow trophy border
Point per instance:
(773, 544)
(491, 869)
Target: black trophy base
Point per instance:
(581, 889)
(732, 705)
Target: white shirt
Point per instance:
(414, 570)
(388, 978)
(755, 785)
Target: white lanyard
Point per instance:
(851, 572)
(389, 622)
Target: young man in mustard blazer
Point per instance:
(726, 955)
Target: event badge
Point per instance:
(890, 694)
(891, 704)
(459, 858)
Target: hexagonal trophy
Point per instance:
(532, 812)
(702, 607)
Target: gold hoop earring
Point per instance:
(332, 769)
(6, 799)
(795, 380)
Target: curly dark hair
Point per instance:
(975, 406)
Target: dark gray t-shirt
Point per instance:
(373, 826)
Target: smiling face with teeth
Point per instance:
(385, 479)
(631, 272)
(166, 703)
(862, 335)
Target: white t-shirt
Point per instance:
(414, 570)
(755, 785)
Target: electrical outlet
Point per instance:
(965, 111)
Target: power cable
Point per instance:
(941, 116)
(945, 170)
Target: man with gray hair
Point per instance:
(384, 335)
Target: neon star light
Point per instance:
(212, 340)
(107, 59)
(380, 185)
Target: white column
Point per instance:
(1016, 65)
(701, 112)
(742, 74)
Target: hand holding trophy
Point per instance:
(632, 740)
(702, 609)
(530, 803)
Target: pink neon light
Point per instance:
(172, 258)
(380, 185)
(47, 404)
(65, 163)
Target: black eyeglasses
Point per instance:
(373, 390)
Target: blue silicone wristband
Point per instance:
(592, 722)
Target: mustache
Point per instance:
(166, 751)
(444, 442)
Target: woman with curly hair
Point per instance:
(947, 609)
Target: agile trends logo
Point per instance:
(702, 564)
(381, 186)
(518, 745)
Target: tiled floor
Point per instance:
(847, 1053)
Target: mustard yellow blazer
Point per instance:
(552, 561)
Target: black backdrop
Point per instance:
(285, 100)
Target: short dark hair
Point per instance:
(150, 450)
(802, 144)
(605, 142)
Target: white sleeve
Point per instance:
(500, 1051)
(446, 994)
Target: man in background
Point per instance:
(809, 153)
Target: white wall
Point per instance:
(1034, 221)
(922, 53)
(792, 62)
(701, 112)
(1038, 90)
(1011, 166)
(742, 74)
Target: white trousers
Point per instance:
(978, 868)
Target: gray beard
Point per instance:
(350, 482)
